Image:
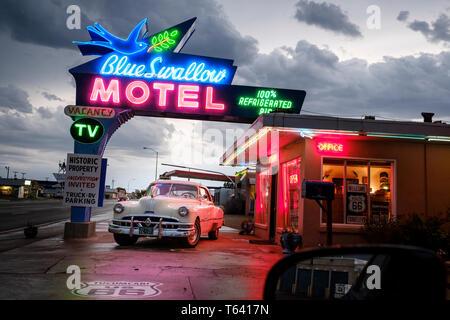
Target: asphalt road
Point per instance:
(16, 214)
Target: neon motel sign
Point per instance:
(148, 75)
(138, 92)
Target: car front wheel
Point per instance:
(193, 239)
(124, 239)
(213, 235)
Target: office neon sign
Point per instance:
(148, 75)
(330, 147)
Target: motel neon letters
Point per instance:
(139, 92)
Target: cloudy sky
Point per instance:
(352, 59)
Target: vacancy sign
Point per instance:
(82, 187)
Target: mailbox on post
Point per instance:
(321, 190)
(317, 190)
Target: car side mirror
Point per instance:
(358, 273)
(204, 198)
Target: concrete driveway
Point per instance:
(227, 268)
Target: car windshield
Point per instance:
(174, 190)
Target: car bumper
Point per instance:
(161, 229)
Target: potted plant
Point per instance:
(247, 227)
(290, 240)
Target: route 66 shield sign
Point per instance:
(118, 289)
(357, 204)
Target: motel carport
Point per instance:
(381, 170)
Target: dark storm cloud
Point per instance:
(40, 22)
(51, 97)
(327, 16)
(28, 132)
(45, 112)
(398, 88)
(436, 31)
(403, 16)
(31, 22)
(12, 97)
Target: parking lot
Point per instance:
(227, 268)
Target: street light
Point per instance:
(156, 170)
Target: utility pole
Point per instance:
(156, 170)
(15, 174)
(23, 174)
(7, 172)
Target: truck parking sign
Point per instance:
(83, 185)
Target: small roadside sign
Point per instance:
(84, 180)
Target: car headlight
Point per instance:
(183, 211)
(118, 208)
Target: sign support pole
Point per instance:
(83, 214)
(329, 223)
(328, 210)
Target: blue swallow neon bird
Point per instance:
(103, 42)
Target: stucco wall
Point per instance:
(409, 194)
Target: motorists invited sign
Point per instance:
(84, 184)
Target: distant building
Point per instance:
(25, 188)
(110, 193)
(18, 188)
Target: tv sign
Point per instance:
(86, 130)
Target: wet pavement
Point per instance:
(227, 268)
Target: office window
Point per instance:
(380, 190)
(364, 191)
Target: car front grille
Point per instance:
(139, 221)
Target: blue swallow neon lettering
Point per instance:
(198, 72)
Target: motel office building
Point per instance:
(381, 169)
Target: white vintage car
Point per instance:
(171, 208)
